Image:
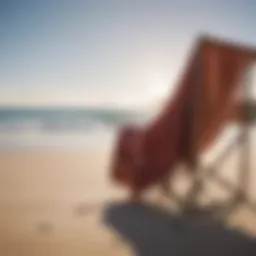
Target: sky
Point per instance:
(117, 53)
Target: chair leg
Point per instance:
(191, 203)
(226, 210)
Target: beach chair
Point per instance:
(189, 124)
(243, 114)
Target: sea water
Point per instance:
(28, 128)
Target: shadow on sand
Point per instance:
(152, 231)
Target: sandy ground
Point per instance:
(51, 203)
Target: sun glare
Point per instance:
(158, 86)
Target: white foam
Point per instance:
(35, 139)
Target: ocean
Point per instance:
(28, 128)
(58, 128)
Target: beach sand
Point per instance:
(52, 202)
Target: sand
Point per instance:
(52, 202)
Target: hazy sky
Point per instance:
(108, 52)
